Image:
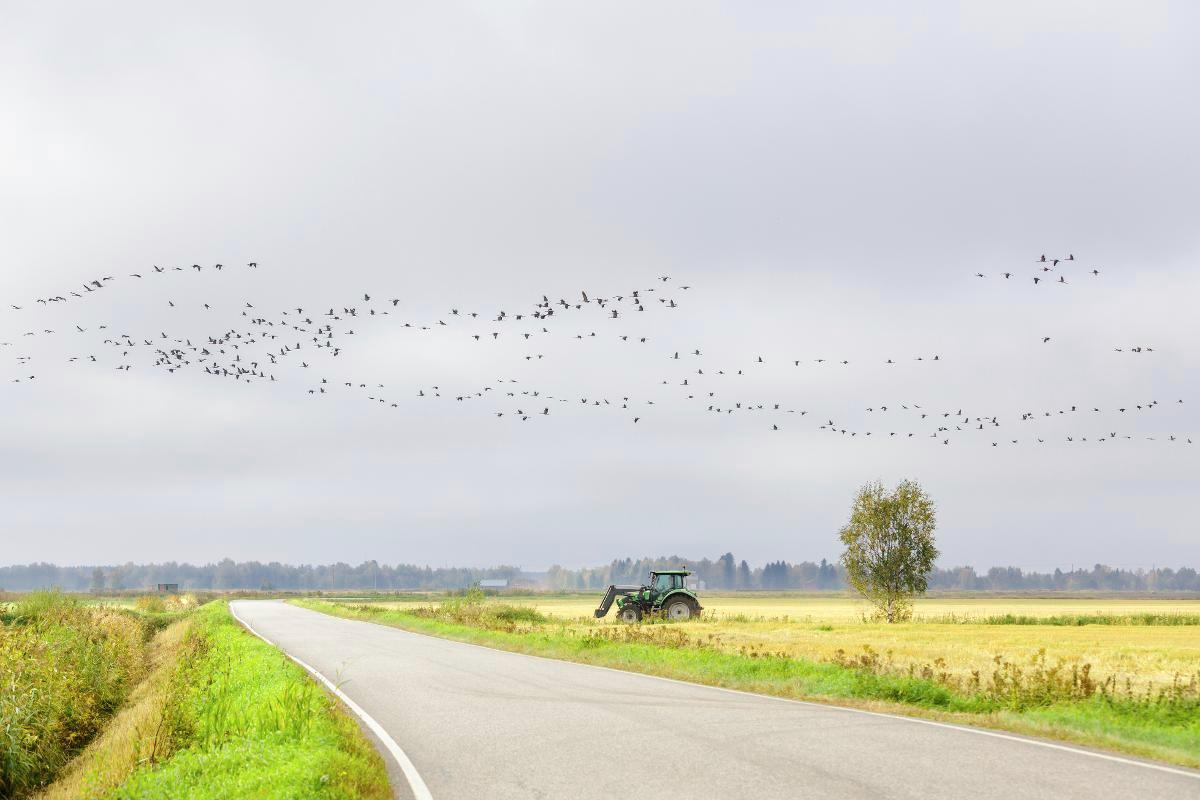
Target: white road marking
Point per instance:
(415, 783)
(962, 728)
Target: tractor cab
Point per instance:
(666, 594)
(663, 582)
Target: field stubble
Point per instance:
(1134, 645)
(978, 661)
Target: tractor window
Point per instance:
(663, 583)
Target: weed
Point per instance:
(472, 608)
(64, 668)
(1039, 694)
(1093, 619)
(149, 603)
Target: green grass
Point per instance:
(253, 724)
(1027, 697)
(945, 631)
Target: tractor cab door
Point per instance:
(661, 585)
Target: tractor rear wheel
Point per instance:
(631, 614)
(679, 610)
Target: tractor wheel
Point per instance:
(631, 614)
(679, 610)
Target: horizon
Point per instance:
(1084, 565)
(722, 574)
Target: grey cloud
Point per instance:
(828, 180)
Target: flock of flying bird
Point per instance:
(260, 345)
(1048, 265)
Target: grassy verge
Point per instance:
(1031, 698)
(141, 732)
(247, 722)
(65, 668)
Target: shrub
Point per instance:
(182, 602)
(474, 609)
(150, 603)
(64, 668)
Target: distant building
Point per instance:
(168, 588)
(494, 583)
(695, 584)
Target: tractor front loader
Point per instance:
(613, 592)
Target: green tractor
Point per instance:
(666, 594)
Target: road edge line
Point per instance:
(1012, 737)
(415, 783)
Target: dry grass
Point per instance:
(834, 608)
(134, 736)
(1029, 692)
(64, 669)
(948, 632)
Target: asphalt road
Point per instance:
(481, 723)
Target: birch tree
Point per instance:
(889, 546)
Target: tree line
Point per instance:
(252, 575)
(725, 572)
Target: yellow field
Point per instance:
(819, 626)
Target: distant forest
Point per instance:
(725, 572)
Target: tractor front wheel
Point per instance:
(679, 610)
(631, 614)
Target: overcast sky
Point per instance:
(828, 178)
